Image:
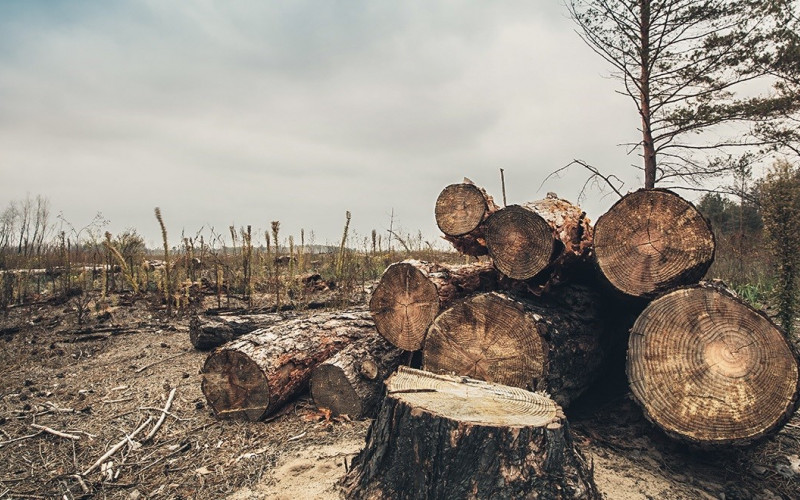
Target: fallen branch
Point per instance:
(21, 438)
(145, 367)
(55, 432)
(161, 419)
(116, 447)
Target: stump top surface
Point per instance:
(460, 208)
(471, 401)
(708, 368)
(653, 240)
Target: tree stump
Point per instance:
(411, 293)
(651, 241)
(709, 369)
(524, 240)
(540, 344)
(453, 437)
(351, 382)
(259, 372)
(460, 212)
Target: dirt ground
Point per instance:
(99, 381)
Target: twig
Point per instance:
(145, 367)
(503, 184)
(21, 438)
(55, 432)
(161, 419)
(116, 447)
(295, 438)
(85, 488)
(110, 401)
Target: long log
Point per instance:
(460, 212)
(551, 343)
(257, 373)
(525, 240)
(651, 241)
(411, 293)
(708, 369)
(448, 437)
(351, 382)
(208, 332)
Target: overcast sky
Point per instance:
(245, 112)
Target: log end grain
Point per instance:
(519, 241)
(235, 386)
(708, 369)
(460, 208)
(651, 241)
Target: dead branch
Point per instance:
(608, 179)
(55, 432)
(161, 419)
(145, 367)
(117, 447)
(21, 438)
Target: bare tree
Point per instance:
(685, 65)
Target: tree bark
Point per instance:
(351, 382)
(453, 437)
(259, 372)
(651, 241)
(708, 369)
(460, 212)
(208, 332)
(549, 234)
(552, 343)
(411, 293)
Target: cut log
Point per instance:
(410, 294)
(448, 437)
(651, 241)
(257, 373)
(550, 343)
(351, 382)
(460, 212)
(524, 240)
(208, 332)
(709, 369)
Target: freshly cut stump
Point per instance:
(411, 293)
(651, 241)
(351, 382)
(460, 212)
(707, 368)
(531, 343)
(259, 372)
(453, 437)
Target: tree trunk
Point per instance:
(452, 437)
(651, 241)
(460, 212)
(351, 382)
(256, 374)
(709, 369)
(208, 332)
(524, 240)
(411, 293)
(552, 343)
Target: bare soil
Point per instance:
(99, 381)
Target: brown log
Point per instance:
(208, 332)
(411, 293)
(551, 343)
(351, 382)
(460, 212)
(454, 437)
(651, 241)
(525, 240)
(257, 373)
(707, 368)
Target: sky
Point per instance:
(244, 112)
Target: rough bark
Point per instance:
(351, 382)
(709, 369)
(460, 212)
(549, 234)
(208, 332)
(551, 343)
(411, 293)
(651, 241)
(257, 373)
(453, 437)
